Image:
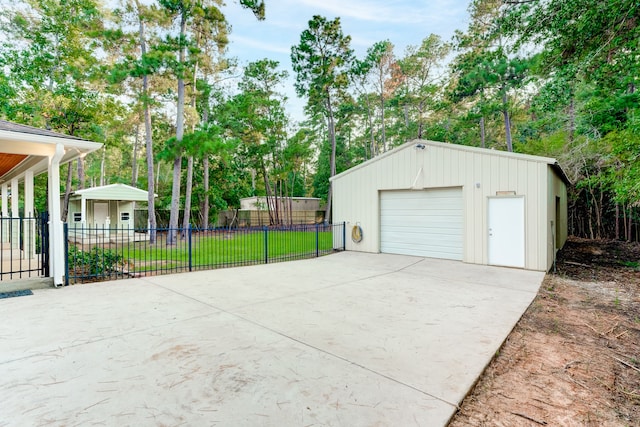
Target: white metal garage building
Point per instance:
(456, 202)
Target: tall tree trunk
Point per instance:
(617, 221)
(371, 133)
(630, 219)
(205, 184)
(268, 191)
(601, 230)
(293, 186)
(405, 109)
(624, 221)
(384, 134)
(175, 201)
(590, 222)
(187, 196)
(81, 176)
(507, 120)
(482, 133)
(279, 203)
(151, 199)
(572, 119)
(148, 135)
(189, 184)
(420, 129)
(332, 162)
(67, 193)
(102, 165)
(596, 210)
(177, 161)
(134, 158)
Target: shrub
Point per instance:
(96, 262)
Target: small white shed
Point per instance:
(108, 209)
(450, 201)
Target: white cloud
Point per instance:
(262, 45)
(398, 12)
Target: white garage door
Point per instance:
(424, 223)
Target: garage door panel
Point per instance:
(440, 242)
(441, 252)
(426, 210)
(445, 212)
(424, 223)
(404, 233)
(419, 239)
(417, 200)
(419, 205)
(420, 219)
(434, 247)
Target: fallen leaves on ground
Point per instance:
(574, 357)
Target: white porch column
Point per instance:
(83, 209)
(56, 230)
(5, 213)
(29, 233)
(15, 214)
(107, 227)
(84, 225)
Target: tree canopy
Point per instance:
(157, 83)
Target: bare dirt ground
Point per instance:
(574, 357)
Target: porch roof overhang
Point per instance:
(24, 148)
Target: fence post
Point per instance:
(65, 227)
(44, 243)
(266, 244)
(190, 253)
(317, 246)
(344, 235)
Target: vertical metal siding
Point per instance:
(357, 198)
(556, 189)
(531, 215)
(475, 248)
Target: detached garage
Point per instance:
(450, 201)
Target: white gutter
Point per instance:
(80, 145)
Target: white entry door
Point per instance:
(506, 231)
(100, 213)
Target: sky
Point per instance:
(403, 22)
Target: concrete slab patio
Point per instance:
(349, 339)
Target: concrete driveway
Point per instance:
(349, 339)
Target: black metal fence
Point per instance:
(24, 246)
(100, 253)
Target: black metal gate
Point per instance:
(25, 247)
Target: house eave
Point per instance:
(39, 148)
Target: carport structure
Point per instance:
(26, 151)
(349, 339)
